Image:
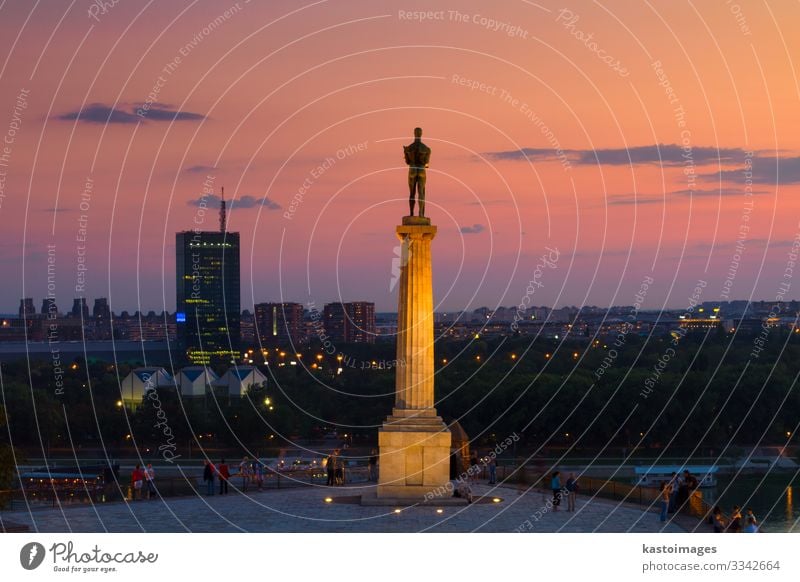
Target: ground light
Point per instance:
(496, 500)
(440, 511)
(328, 500)
(398, 510)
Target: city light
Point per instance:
(119, 403)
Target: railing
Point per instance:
(604, 488)
(45, 496)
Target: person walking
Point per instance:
(492, 465)
(572, 491)
(136, 482)
(666, 492)
(555, 486)
(224, 473)
(150, 476)
(208, 476)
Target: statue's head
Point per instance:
(417, 132)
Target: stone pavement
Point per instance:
(305, 510)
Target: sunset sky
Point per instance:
(626, 151)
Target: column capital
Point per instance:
(416, 231)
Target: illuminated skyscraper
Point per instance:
(279, 324)
(208, 301)
(350, 322)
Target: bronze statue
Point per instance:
(417, 156)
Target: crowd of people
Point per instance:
(736, 522)
(676, 492)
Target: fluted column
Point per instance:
(415, 358)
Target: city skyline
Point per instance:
(628, 166)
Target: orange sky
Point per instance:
(269, 90)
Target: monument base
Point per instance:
(414, 458)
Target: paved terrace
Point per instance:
(305, 510)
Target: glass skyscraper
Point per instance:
(208, 300)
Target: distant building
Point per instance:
(79, 308)
(49, 307)
(101, 314)
(101, 310)
(140, 381)
(195, 381)
(362, 322)
(238, 380)
(352, 322)
(699, 323)
(334, 318)
(247, 328)
(208, 296)
(26, 308)
(279, 324)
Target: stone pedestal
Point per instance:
(414, 442)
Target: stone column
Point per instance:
(414, 442)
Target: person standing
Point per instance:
(752, 526)
(673, 498)
(136, 482)
(492, 464)
(224, 473)
(244, 471)
(473, 467)
(339, 470)
(372, 466)
(666, 492)
(257, 471)
(555, 486)
(330, 467)
(572, 491)
(150, 476)
(735, 524)
(208, 476)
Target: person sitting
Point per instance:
(464, 491)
